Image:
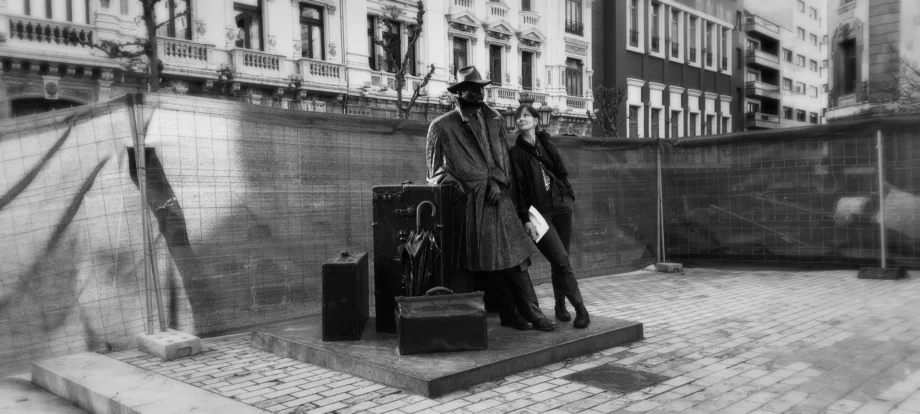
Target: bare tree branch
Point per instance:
(398, 64)
(607, 113)
(174, 18)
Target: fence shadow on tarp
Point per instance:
(247, 203)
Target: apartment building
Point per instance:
(786, 72)
(309, 55)
(676, 60)
(870, 42)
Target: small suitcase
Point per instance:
(396, 209)
(345, 297)
(441, 321)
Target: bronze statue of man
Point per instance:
(467, 146)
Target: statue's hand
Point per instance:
(493, 193)
(530, 229)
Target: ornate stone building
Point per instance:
(313, 55)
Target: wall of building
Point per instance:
(676, 86)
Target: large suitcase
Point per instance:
(441, 321)
(395, 209)
(345, 297)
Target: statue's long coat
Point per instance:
(459, 149)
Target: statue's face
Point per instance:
(471, 94)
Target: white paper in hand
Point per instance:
(538, 223)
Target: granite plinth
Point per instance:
(169, 345)
(885, 273)
(374, 357)
(104, 385)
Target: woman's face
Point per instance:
(526, 121)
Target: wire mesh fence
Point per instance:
(247, 202)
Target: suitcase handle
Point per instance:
(440, 290)
(418, 217)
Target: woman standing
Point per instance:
(541, 181)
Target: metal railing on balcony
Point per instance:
(46, 31)
(758, 24)
(760, 119)
(634, 38)
(574, 27)
(724, 63)
(708, 55)
(693, 54)
(185, 51)
(656, 44)
(757, 88)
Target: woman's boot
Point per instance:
(561, 313)
(581, 317)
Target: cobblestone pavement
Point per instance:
(733, 341)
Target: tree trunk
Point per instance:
(153, 60)
(400, 81)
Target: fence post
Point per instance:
(881, 198)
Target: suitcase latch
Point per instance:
(405, 212)
(403, 235)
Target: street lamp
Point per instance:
(543, 111)
(508, 114)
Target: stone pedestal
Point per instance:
(169, 345)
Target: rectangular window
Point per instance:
(787, 55)
(813, 65)
(675, 124)
(753, 107)
(460, 53)
(813, 91)
(710, 119)
(392, 36)
(675, 34)
(800, 60)
(249, 25)
(848, 52)
(656, 31)
(813, 117)
(824, 88)
(708, 45)
(801, 6)
(166, 12)
(655, 122)
(573, 77)
(495, 64)
(725, 124)
(800, 33)
(371, 47)
(311, 32)
(693, 118)
(752, 76)
(813, 38)
(787, 84)
(525, 5)
(824, 63)
(812, 12)
(633, 121)
(800, 115)
(693, 42)
(724, 51)
(573, 22)
(787, 113)
(800, 88)
(634, 23)
(527, 71)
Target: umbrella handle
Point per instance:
(418, 209)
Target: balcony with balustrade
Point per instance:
(760, 120)
(498, 10)
(500, 96)
(183, 55)
(762, 58)
(255, 64)
(762, 90)
(318, 73)
(760, 27)
(577, 104)
(43, 37)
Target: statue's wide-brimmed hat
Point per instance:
(467, 75)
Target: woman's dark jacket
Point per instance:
(528, 179)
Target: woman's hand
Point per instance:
(531, 230)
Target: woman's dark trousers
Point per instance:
(555, 248)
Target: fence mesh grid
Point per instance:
(247, 203)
